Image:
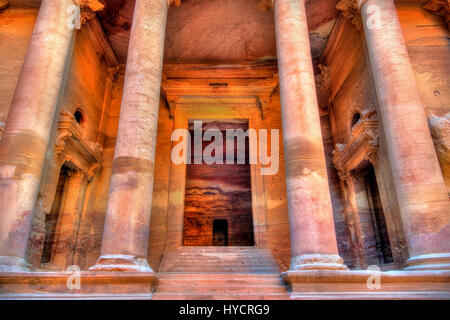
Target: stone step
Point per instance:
(219, 260)
(214, 263)
(223, 276)
(222, 270)
(224, 289)
(212, 296)
(221, 282)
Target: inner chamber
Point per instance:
(218, 201)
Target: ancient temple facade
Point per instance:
(343, 188)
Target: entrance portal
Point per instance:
(218, 203)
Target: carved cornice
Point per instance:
(439, 7)
(70, 145)
(363, 145)
(175, 90)
(88, 9)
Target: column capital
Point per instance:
(351, 11)
(88, 9)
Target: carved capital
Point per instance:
(350, 11)
(88, 8)
(439, 7)
(112, 72)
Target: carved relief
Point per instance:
(350, 11)
(88, 8)
(71, 147)
(177, 91)
(363, 145)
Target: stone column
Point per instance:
(313, 237)
(127, 224)
(28, 129)
(420, 188)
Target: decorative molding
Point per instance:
(3, 5)
(88, 9)
(183, 88)
(112, 72)
(439, 7)
(70, 146)
(363, 145)
(350, 11)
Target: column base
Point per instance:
(434, 261)
(318, 262)
(13, 264)
(121, 262)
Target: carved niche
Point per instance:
(363, 145)
(70, 146)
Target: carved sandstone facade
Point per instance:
(359, 93)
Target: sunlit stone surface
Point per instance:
(89, 191)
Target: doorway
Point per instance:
(218, 196)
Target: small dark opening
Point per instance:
(78, 116)
(220, 232)
(356, 118)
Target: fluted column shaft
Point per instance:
(127, 224)
(419, 185)
(313, 237)
(28, 129)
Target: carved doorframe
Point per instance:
(181, 117)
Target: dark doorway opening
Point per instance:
(51, 219)
(216, 194)
(371, 215)
(220, 232)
